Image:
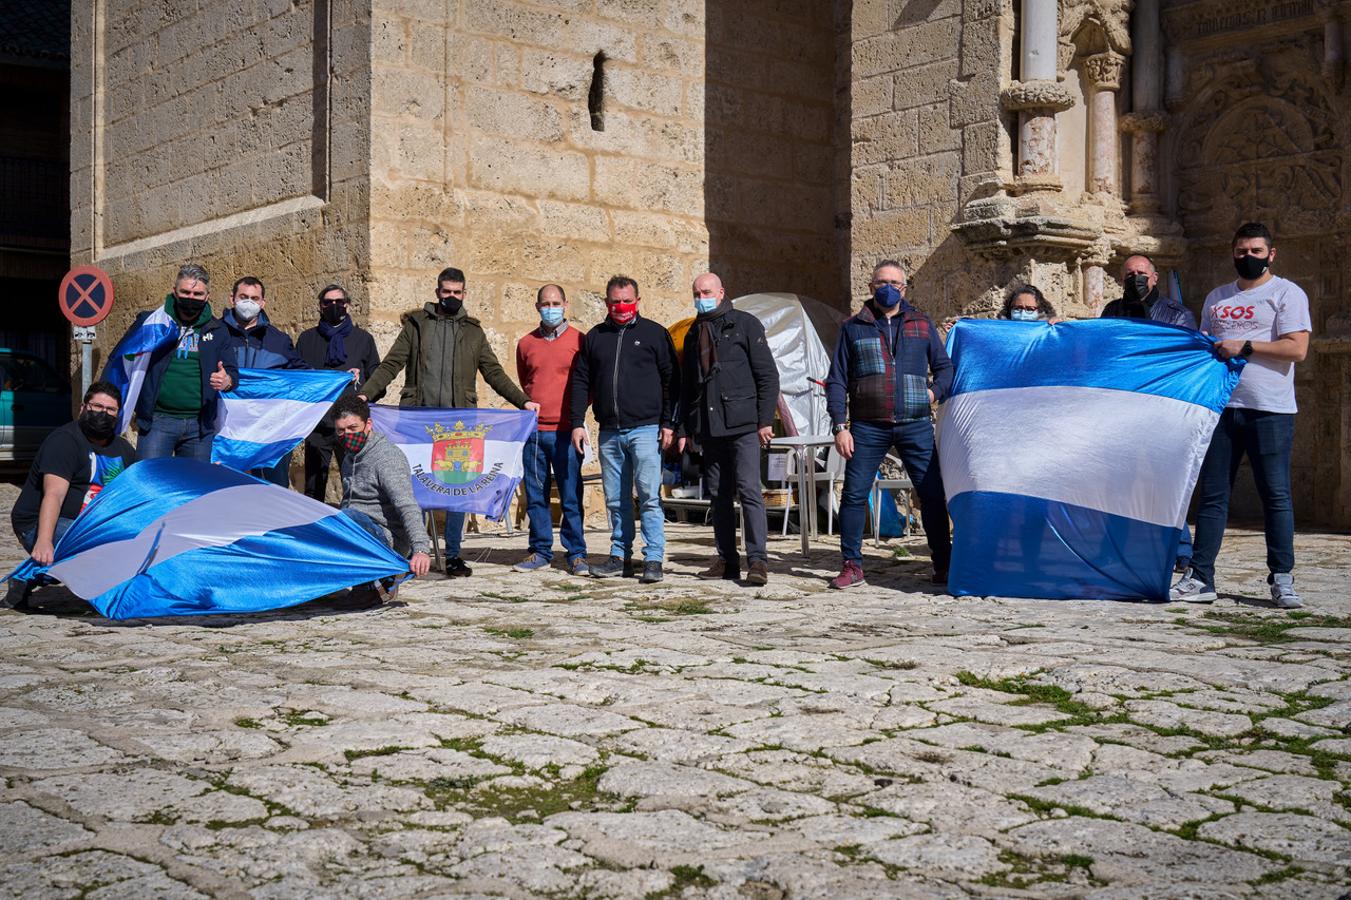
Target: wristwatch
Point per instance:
(836, 429)
(1247, 350)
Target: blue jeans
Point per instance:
(631, 457)
(30, 537)
(1266, 437)
(280, 474)
(168, 436)
(914, 443)
(551, 455)
(454, 534)
(369, 525)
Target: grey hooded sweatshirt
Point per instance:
(378, 482)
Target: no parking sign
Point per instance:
(86, 295)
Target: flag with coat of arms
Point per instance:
(463, 460)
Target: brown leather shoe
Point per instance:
(720, 571)
(759, 573)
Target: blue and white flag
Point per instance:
(130, 359)
(1069, 453)
(270, 411)
(466, 460)
(177, 537)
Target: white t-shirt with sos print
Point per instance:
(1262, 314)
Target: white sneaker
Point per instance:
(1190, 589)
(1283, 591)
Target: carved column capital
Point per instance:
(1041, 95)
(1104, 70)
(1144, 123)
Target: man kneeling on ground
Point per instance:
(377, 485)
(74, 463)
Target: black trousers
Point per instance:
(733, 468)
(319, 450)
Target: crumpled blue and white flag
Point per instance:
(270, 411)
(1069, 453)
(177, 537)
(465, 460)
(130, 359)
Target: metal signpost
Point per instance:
(86, 298)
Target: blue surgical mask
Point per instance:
(887, 296)
(1024, 315)
(551, 316)
(705, 304)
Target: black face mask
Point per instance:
(187, 310)
(98, 425)
(334, 313)
(451, 305)
(1251, 268)
(1137, 286)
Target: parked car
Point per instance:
(34, 399)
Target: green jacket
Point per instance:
(441, 356)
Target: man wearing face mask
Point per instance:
(1263, 319)
(627, 365)
(377, 485)
(729, 391)
(544, 363)
(74, 463)
(335, 343)
(890, 366)
(1141, 299)
(255, 343)
(442, 350)
(177, 406)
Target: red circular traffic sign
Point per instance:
(86, 295)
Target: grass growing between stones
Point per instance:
(523, 804)
(1026, 871)
(1261, 629)
(664, 610)
(516, 634)
(683, 877)
(1075, 712)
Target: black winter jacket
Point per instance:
(213, 348)
(741, 391)
(361, 354)
(630, 373)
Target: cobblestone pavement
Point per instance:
(545, 735)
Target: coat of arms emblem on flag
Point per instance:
(457, 453)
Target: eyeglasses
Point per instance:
(100, 407)
(894, 282)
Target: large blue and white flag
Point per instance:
(466, 460)
(1069, 453)
(270, 411)
(130, 359)
(177, 537)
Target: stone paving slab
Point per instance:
(541, 735)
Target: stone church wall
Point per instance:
(236, 136)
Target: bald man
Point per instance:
(1141, 299)
(729, 391)
(545, 359)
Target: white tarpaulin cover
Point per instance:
(801, 333)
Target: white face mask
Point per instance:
(246, 310)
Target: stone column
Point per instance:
(1146, 120)
(1037, 97)
(1093, 263)
(1334, 56)
(1104, 71)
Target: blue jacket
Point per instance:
(882, 367)
(261, 346)
(212, 349)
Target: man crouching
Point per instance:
(377, 485)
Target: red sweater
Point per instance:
(543, 367)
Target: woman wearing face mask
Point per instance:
(1027, 304)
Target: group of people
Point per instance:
(716, 398)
